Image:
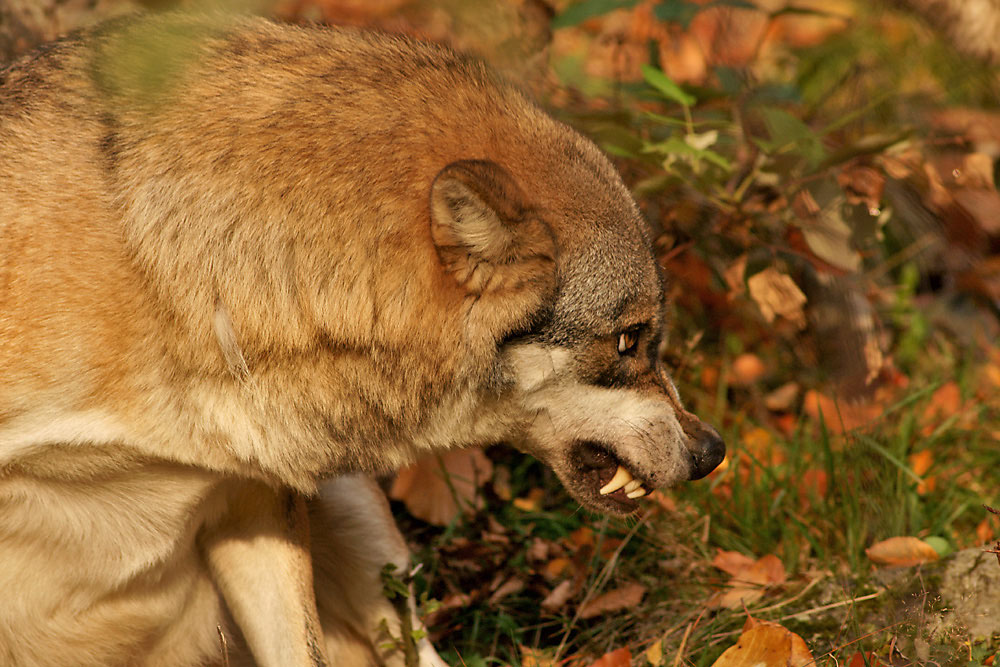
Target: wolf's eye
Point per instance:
(627, 341)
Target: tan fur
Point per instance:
(241, 263)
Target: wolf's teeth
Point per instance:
(638, 493)
(632, 486)
(621, 478)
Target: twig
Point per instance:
(832, 605)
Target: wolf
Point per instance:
(244, 266)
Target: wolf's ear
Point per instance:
(485, 232)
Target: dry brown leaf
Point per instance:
(749, 579)
(509, 587)
(862, 185)
(766, 644)
(559, 596)
(901, 552)
(734, 277)
(627, 596)
(777, 295)
(618, 658)
(425, 491)
(783, 398)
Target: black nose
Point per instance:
(706, 447)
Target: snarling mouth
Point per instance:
(607, 481)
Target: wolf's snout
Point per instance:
(706, 447)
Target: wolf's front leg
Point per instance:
(258, 555)
(353, 538)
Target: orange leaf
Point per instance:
(424, 486)
(945, 402)
(767, 644)
(619, 658)
(815, 481)
(839, 416)
(749, 579)
(901, 552)
(530, 503)
(984, 533)
(556, 567)
(858, 660)
(536, 657)
(921, 462)
(627, 596)
(747, 369)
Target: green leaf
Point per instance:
(939, 544)
(665, 85)
(581, 11)
(787, 131)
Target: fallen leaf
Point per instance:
(984, 532)
(777, 295)
(901, 552)
(814, 482)
(732, 562)
(627, 596)
(766, 644)
(748, 580)
(509, 587)
(747, 369)
(734, 277)
(920, 463)
(582, 537)
(839, 416)
(783, 398)
(556, 567)
(559, 596)
(536, 657)
(858, 660)
(654, 654)
(619, 658)
(945, 402)
(862, 185)
(426, 487)
(530, 503)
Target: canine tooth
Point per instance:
(621, 478)
(638, 493)
(632, 486)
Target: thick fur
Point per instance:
(241, 263)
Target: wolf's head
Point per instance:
(584, 382)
